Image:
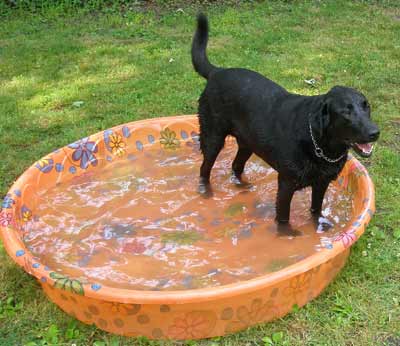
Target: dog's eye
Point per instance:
(365, 105)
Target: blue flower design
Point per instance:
(95, 287)
(7, 202)
(195, 142)
(20, 253)
(151, 139)
(184, 134)
(126, 132)
(59, 167)
(84, 152)
(139, 145)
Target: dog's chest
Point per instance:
(312, 172)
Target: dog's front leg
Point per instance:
(322, 224)
(283, 200)
(318, 193)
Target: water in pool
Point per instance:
(140, 223)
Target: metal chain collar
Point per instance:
(319, 152)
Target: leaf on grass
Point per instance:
(78, 104)
(277, 337)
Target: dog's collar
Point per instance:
(319, 152)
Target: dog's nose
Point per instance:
(373, 135)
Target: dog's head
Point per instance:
(346, 117)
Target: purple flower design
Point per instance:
(7, 202)
(84, 152)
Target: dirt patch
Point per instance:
(393, 13)
(59, 107)
(392, 341)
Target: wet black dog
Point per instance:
(305, 138)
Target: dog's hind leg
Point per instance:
(283, 200)
(212, 140)
(239, 162)
(210, 146)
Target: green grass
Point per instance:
(119, 65)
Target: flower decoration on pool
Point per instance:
(256, 313)
(45, 165)
(114, 142)
(65, 283)
(7, 202)
(168, 139)
(193, 325)
(347, 238)
(297, 285)
(84, 152)
(125, 309)
(117, 145)
(135, 247)
(5, 218)
(26, 214)
(181, 237)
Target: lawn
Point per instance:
(69, 72)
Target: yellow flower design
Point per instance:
(117, 145)
(43, 162)
(168, 139)
(26, 215)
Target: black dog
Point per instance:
(305, 138)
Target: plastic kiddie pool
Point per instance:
(162, 310)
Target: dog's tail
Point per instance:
(199, 45)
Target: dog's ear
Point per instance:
(324, 117)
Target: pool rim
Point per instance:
(12, 244)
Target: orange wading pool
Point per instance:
(114, 230)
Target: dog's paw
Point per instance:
(240, 183)
(286, 230)
(323, 224)
(205, 190)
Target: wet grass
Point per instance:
(136, 65)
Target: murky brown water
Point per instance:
(141, 224)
